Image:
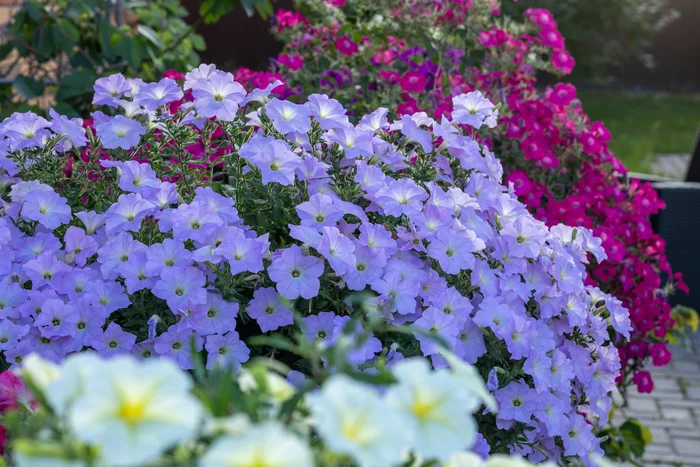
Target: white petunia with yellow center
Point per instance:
(434, 407)
(352, 419)
(133, 411)
(266, 445)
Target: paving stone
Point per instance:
(686, 447)
(676, 414)
(642, 405)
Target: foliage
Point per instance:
(173, 223)
(604, 35)
(152, 413)
(416, 57)
(59, 48)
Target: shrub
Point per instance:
(59, 48)
(416, 58)
(175, 224)
(125, 412)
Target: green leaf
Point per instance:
(198, 42)
(151, 35)
(75, 84)
(212, 10)
(28, 88)
(64, 108)
(633, 434)
(6, 49)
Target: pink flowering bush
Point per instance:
(417, 56)
(191, 219)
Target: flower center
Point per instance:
(296, 273)
(132, 412)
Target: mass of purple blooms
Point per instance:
(308, 228)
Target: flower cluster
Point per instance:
(419, 56)
(389, 239)
(126, 412)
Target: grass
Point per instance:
(643, 124)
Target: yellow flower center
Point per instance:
(423, 408)
(133, 411)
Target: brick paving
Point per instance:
(672, 411)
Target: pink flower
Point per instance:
(13, 392)
(293, 62)
(659, 353)
(521, 182)
(644, 382)
(562, 60)
(552, 38)
(562, 94)
(413, 81)
(346, 46)
(541, 17)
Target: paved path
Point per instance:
(672, 411)
(672, 166)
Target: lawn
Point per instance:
(643, 124)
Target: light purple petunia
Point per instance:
(435, 322)
(319, 328)
(338, 250)
(127, 213)
(473, 109)
(453, 251)
(25, 130)
(11, 333)
(402, 196)
(410, 130)
(153, 95)
(134, 176)
(43, 268)
(329, 113)
(177, 343)
(46, 207)
(398, 294)
(517, 401)
(218, 317)
(355, 143)
(269, 310)
(169, 254)
(88, 326)
(218, 96)
(470, 341)
(296, 274)
(115, 252)
(70, 128)
(288, 117)
(277, 163)
(134, 273)
(318, 212)
(182, 288)
(107, 295)
(57, 319)
(226, 351)
(120, 132)
(79, 247)
(113, 341)
(109, 89)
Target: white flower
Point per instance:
(132, 411)
(41, 372)
(23, 460)
(470, 380)
(464, 459)
(352, 419)
(264, 445)
(75, 373)
(277, 386)
(433, 407)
